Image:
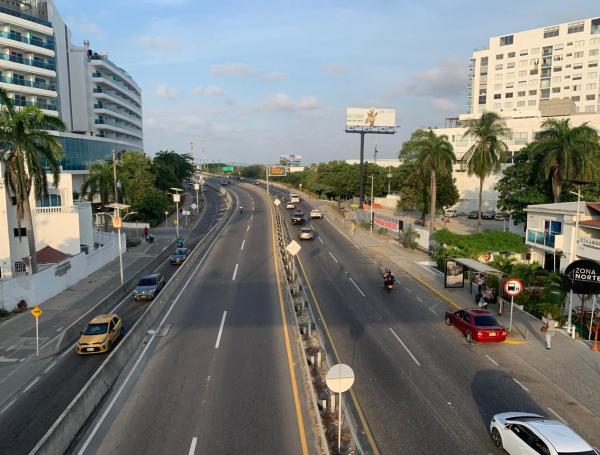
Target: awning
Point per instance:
(478, 266)
(594, 224)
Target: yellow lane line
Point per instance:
(361, 415)
(288, 346)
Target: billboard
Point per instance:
(293, 169)
(277, 171)
(227, 168)
(290, 160)
(370, 117)
(454, 276)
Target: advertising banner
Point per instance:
(370, 117)
(296, 169)
(290, 160)
(454, 276)
(385, 222)
(584, 276)
(277, 171)
(227, 168)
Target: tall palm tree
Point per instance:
(25, 141)
(487, 153)
(101, 182)
(433, 156)
(568, 153)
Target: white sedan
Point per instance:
(525, 433)
(316, 213)
(306, 233)
(290, 206)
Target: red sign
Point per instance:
(513, 287)
(391, 225)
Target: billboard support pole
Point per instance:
(362, 170)
(267, 173)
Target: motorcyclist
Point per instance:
(241, 209)
(388, 278)
(179, 242)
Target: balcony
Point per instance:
(48, 44)
(544, 239)
(38, 104)
(27, 83)
(121, 125)
(58, 209)
(25, 61)
(27, 17)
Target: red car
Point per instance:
(476, 324)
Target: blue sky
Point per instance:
(258, 79)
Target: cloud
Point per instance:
(163, 44)
(283, 102)
(208, 90)
(337, 68)
(231, 69)
(444, 104)
(448, 79)
(163, 90)
(275, 76)
(83, 25)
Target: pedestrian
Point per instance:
(146, 232)
(549, 328)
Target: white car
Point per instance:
(307, 233)
(290, 206)
(316, 213)
(524, 433)
(450, 213)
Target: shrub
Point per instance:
(409, 238)
(4, 313)
(133, 242)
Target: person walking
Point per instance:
(146, 232)
(549, 327)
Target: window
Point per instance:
(594, 52)
(499, 66)
(521, 103)
(546, 51)
(545, 93)
(507, 40)
(508, 105)
(533, 83)
(578, 54)
(510, 84)
(535, 50)
(522, 63)
(590, 97)
(577, 88)
(531, 102)
(499, 56)
(522, 73)
(51, 200)
(595, 26)
(576, 98)
(508, 95)
(532, 92)
(546, 62)
(592, 75)
(558, 58)
(594, 41)
(511, 55)
(545, 83)
(23, 232)
(497, 96)
(591, 86)
(533, 72)
(523, 52)
(556, 80)
(590, 108)
(557, 69)
(546, 72)
(510, 75)
(523, 93)
(577, 66)
(593, 64)
(555, 89)
(534, 61)
(482, 96)
(496, 106)
(510, 65)
(579, 43)
(497, 86)
(522, 84)
(558, 47)
(484, 61)
(483, 71)
(20, 267)
(498, 77)
(551, 32)
(520, 138)
(577, 77)
(575, 27)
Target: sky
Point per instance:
(252, 80)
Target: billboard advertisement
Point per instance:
(296, 169)
(454, 276)
(370, 117)
(290, 160)
(277, 171)
(227, 168)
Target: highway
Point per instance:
(420, 386)
(218, 378)
(39, 404)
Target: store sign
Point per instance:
(584, 276)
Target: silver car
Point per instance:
(149, 286)
(307, 233)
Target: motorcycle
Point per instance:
(179, 242)
(388, 282)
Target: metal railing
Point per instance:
(541, 238)
(40, 105)
(29, 62)
(27, 17)
(48, 44)
(27, 83)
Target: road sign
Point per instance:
(227, 168)
(277, 171)
(185, 212)
(276, 202)
(340, 378)
(117, 222)
(513, 287)
(293, 248)
(193, 206)
(37, 312)
(583, 276)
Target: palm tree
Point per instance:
(568, 153)
(433, 156)
(25, 141)
(101, 182)
(487, 153)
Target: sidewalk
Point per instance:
(571, 364)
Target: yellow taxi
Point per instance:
(100, 334)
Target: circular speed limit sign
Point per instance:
(513, 287)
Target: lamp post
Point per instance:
(117, 221)
(372, 177)
(166, 218)
(389, 176)
(570, 327)
(197, 188)
(176, 199)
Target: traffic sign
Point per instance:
(293, 248)
(513, 287)
(194, 206)
(36, 311)
(185, 212)
(276, 202)
(340, 378)
(117, 222)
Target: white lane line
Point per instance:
(320, 239)
(248, 228)
(404, 346)
(492, 360)
(193, 446)
(420, 299)
(8, 406)
(60, 328)
(49, 367)
(557, 416)
(521, 385)
(234, 272)
(10, 348)
(31, 384)
(221, 330)
(332, 257)
(431, 308)
(429, 267)
(251, 216)
(407, 290)
(243, 243)
(357, 288)
(68, 350)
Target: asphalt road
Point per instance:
(217, 380)
(421, 387)
(38, 405)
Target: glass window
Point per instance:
(594, 41)
(590, 97)
(595, 26)
(591, 86)
(523, 93)
(575, 27)
(499, 66)
(506, 40)
(522, 73)
(498, 77)
(592, 75)
(555, 89)
(551, 32)
(511, 55)
(499, 56)
(535, 50)
(557, 69)
(532, 92)
(497, 106)
(520, 138)
(508, 105)
(522, 84)
(594, 52)
(508, 95)
(558, 47)
(577, 66)
(521, 103)
(545, 93)
(484, 61)
(575, 98)
(590, 108)
(510, 75)
(579, 43)
(558, 58)
(593, 64)
(522, 63)
(576, 87)
(546, 72)
(533, 83)
(523, 52)
(497, 96)
(556, 80)
(497, 86)
(578, 54)
(545, 83)
(512, 65)
(531, 102)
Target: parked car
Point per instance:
(224, 182)
(306, 233)
(476, 324)
(450, 213)
(179, 256)
(473, 214)
(298, 217)
(290, 205)
(525, 433)
(100, 334)
(488, 215)
(316, 213)
(257, 183)
(149, 286)
(502, 216)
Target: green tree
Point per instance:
(101, 182)
(485, 156)
(136, 176)
(181, 165)
(24, 140)
(570, 153)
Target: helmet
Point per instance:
(388, 271)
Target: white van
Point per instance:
(450, 213)
(294, 198)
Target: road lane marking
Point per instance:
(192, 450)
(60, 328)
(404, 346)
(251, 216)
(557, 416)
(492, 360)
(431, 308)
(49, 367)
(10, 348)
(521, 385)
(357, 288)
(407, 290)
(420, 299)
(221, 330)
(7, 360)
(243, 243)
(5, 408)
(31, 384)
(333, 257)
(320, 239)
(429, 266)
(234, 272)
(248, 228)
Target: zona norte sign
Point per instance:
(584, 276)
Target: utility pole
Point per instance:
(372, 218)
(115, 175)
(570, 327)
(192, 149)
(389, 176)
(375, 151)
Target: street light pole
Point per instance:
(115, 175)
(572, 258)
(117, 222)
(197, 187)
(389, 176)
(176, 199)
(372, 181)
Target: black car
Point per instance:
(473, 215)
(298, 217)
(179, 256)
(488, 215)
(149, 286)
